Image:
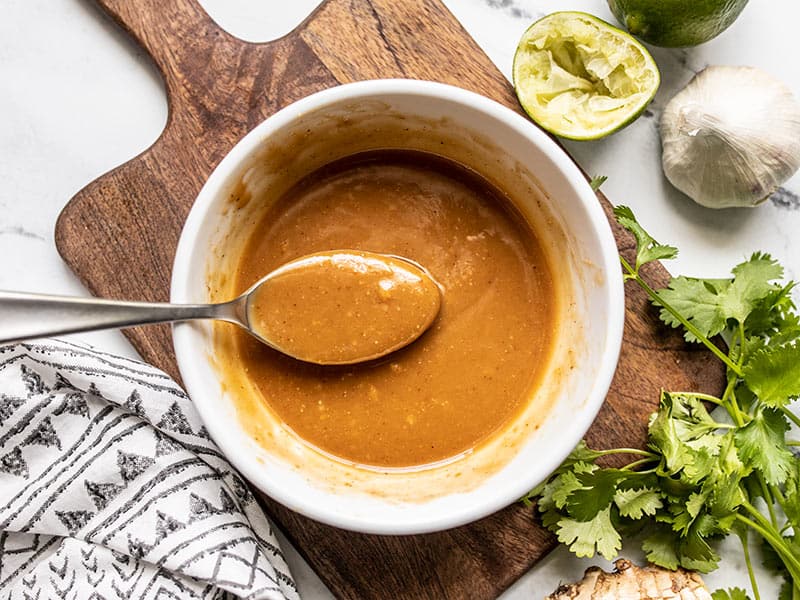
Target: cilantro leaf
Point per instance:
(692, 420)
(699, 301)
(582, 453)
(567, 483)
(660, 548)
(682, 431)
(773, 374)
(545, 503)
(647, 249)
(695, 504)
(550, 515)
(773, 316)
(694, 550)
(664, 440)
(787, 328)
(584, 537)
(551, 495)
(635, 503)
(751, 283)
(595, 493)
(762, 445)
(702, 459)
(684, 514)
(786, 592)
(792, 492)
(730, 594)
(722, 484)
(709, 303)
(597, 181)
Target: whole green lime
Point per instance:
(675, 23)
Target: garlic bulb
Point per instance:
(731, 137)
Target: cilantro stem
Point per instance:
(768, 499)
(730, 403)
(757, 515)
(637, 463)
(792, 443)
(716, 426)
(637, 451)
(790, 415)
(634, 274)
(777, 494)
(700, 396)
(748, 562)
(773, 538)
(740, 362)
(791, 563)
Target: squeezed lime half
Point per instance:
(580, 78)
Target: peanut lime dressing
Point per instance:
(480, 362)
(342, 307)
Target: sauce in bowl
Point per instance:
(479, 364)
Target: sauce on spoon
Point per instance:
(344, 306)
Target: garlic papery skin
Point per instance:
(731, 137)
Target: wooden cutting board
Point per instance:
(120, 232)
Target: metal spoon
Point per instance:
(25, 316)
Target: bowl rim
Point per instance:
(461, 512)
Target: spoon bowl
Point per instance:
(341, 307)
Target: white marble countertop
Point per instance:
(77, 98)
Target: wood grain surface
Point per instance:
(219, 88)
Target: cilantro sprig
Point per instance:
(597, 181)
(702, 476)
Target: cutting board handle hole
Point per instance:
(256, 21)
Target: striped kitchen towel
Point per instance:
(111, 488)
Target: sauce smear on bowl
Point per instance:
(343, 306)
(481, 361)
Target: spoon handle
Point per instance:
(25, 316)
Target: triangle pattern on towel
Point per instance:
(33, 381)
(102, 493)
(175, 420)
(8, 405)
(132, 465)
(14, 463)
(74, 403)
(134, 403)
(43, 435)
(166, 445)
(74, 520)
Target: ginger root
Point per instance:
(629, 582)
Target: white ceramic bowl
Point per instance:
(549, 191)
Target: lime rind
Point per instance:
(581, 78)
(676, 23)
